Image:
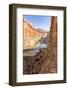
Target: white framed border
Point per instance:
(39, 77)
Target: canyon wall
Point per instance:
(46, 60)
(31, 35)
(50, 57)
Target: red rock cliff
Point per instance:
(31, 35)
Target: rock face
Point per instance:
(46, 60)
(31, 35)
(50, 62)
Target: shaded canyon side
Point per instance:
(46, 60)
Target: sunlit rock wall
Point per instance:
(31, 35)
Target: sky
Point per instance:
(42, 22)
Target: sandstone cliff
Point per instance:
(32, 35)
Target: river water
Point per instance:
(33, 52)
